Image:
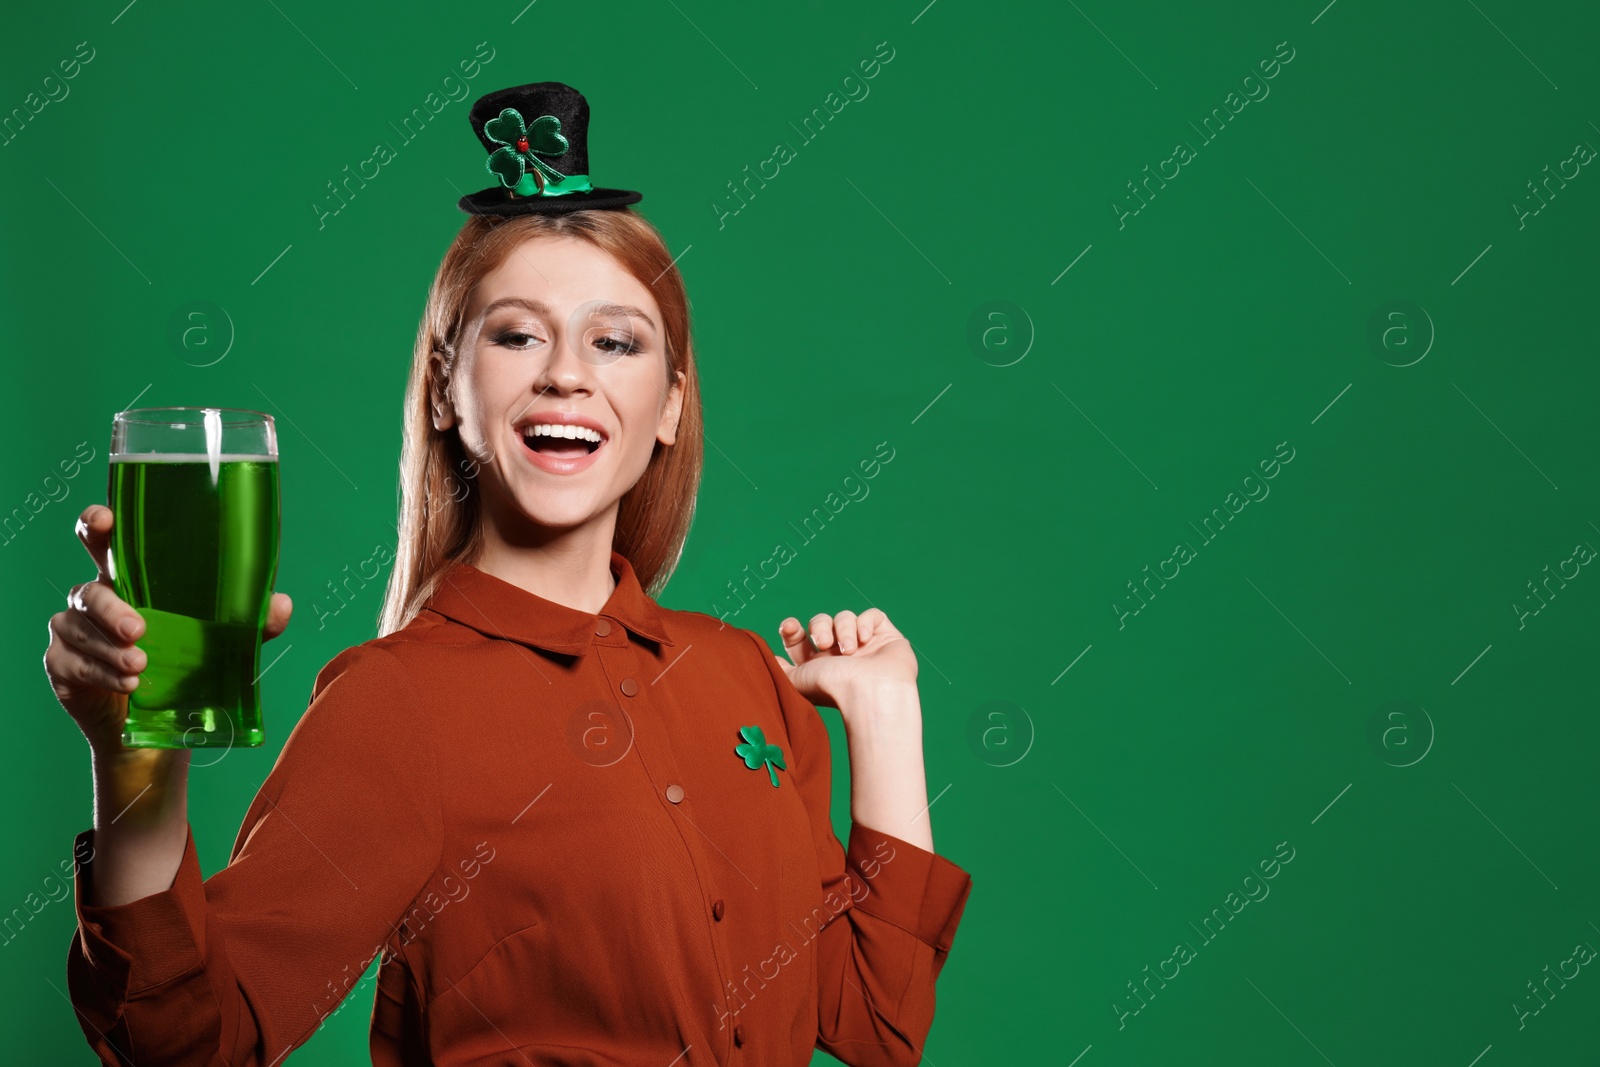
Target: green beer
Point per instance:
(194, 549)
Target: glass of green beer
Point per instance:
(194, 549)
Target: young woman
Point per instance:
(574, 826)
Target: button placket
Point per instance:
(653, 747)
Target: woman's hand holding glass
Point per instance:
(93, 660)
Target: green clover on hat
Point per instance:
(517, 160)
(756, 752)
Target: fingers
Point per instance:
(278, 612)
(868, 623)
(822, 630)
(106, 612)
(845, 625)
(845, 631)
(72, 668)
(94, 530)
(96, 635)
(795, 640)
(77, 630)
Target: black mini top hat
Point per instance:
(537, 137)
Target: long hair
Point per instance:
(440, 508)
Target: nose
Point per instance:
(565, 370)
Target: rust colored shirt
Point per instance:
(541, 822)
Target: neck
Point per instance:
(570, 567)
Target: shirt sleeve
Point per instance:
(897, 908)
(244, 966)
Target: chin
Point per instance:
(557, 514)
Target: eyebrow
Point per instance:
(541, 308)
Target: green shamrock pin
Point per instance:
(521, 147)
(756, 751)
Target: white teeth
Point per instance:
(551, 429)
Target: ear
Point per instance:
(672, 411)
(441, 410)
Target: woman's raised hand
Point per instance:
(843, 655)
(92, 660)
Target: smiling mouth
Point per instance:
(562, 442)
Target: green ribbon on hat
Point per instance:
(574, 183)
(516, 162)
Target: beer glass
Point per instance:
(194, 549)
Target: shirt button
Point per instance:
(675, 793)
(717, 910)
(602, 627)
(738, 1036)
(629, 687)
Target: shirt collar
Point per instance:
(496, 608)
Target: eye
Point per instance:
(617, 345)
(515, 339)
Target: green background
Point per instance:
(1441, 858)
